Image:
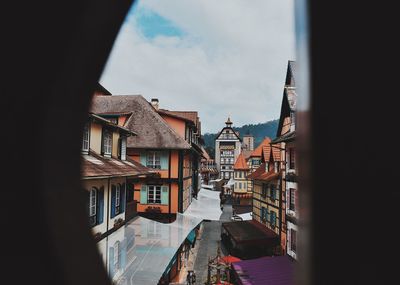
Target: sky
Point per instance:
(220, 58)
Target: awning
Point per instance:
(242, 195)
(275, 270)
(156, 244)
(191, 236)
(250, 232)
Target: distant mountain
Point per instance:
(259, 131)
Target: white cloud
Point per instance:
(231, 61)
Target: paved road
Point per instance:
(208, 243)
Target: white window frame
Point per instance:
(123, 148)
(153, 160)
(107, 142)
(85, 139)
(153, 189)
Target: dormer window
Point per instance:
(85, 140)
(107, 143)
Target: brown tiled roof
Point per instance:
(95, 165)
(116, 127)
(259, 149)
(286, 137)
(260, 170)
(176, 114)
(116, 113)
(205, 154)
(267, 152)
(151, 129)
(240, 163)
(276, 152)
(268, 176)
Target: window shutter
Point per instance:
(113, 190)
(100, 205)
(164, 195)
(123, 148)
(111, 263)
(143, 194)
(164, 160)
(122, 198)
(261, 213)
(143, 158)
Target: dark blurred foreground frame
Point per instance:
(52, 55)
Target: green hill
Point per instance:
(259, 131)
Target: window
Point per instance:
(272, 192)
(277, 168)
(240, 185)
(154, 194)
(264, 190)
(291, 158)
(117, 199)
(92, 206)
(107, 142)
(240, 174)
(273, 219)
(85, 141)
(263, 213)
(291, 199)
(266, 166)
(293, 240)
(113, 120)
(153, 160)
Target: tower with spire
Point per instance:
(227, 149)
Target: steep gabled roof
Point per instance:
(240, 163)
(259, 149)
(151, 129)
(289, 99)
(229, 128)
(276, 152)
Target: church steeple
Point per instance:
(229, 122)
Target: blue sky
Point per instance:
(220, 58)
(152, 24)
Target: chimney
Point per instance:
(154, 103)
